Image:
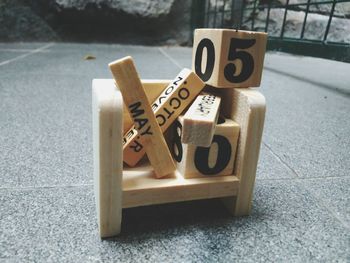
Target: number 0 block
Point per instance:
(227, 58)
(217, 159)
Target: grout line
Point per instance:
(294, 172)
(170, 58)
(44, 187)
(34, 51)
(21, 50)
(280, 160)
(319, 200)
(326, 207)
(302, 178)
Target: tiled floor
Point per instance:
(301, 207)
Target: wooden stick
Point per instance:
(167, 107)
(153, 88)
(200, 120)
(134, 96)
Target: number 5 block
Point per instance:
(227, 58)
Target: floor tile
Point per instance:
(59, 225)
(271, 167)
(334, 194)
(307, 127)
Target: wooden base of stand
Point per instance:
(141, 188)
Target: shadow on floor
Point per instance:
(176, 218)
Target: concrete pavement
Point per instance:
(301, 208)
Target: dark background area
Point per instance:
(319, 28)
(138, 21)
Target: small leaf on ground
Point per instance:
(89, 57)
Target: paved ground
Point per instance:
(47, 213)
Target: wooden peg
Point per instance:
(134, 96)
(167, 107)
(200, 120)
(227, 58)
(218, 159)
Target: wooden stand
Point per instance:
(139, 187)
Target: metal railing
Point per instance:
(300, 28)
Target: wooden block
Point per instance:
(226, 58)
(218, 159)
(167, 107)
(107, 112)
(134, 96)
(247, 108)
(200, 120)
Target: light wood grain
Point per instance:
(135, 98)
(166, 107)
(200, 120)
(153, 88)
(216, 160)
(107, 112)
(232, 55)
(140, 188)
(247, 108)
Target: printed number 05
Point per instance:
(230, 70)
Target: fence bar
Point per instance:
(253, 16)
(216, 5)
(305, 19)
(223, 14)
(284, 19)
(241, 14)
(208, 12)
(291, 5)
(268, 16)
(329, 21)
(232, 12)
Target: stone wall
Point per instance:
(132, 21)
(315, 26)
(153, 21)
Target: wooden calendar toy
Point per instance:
(213, 122)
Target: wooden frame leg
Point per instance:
(107, 114)
(247, 108)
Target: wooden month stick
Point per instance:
(167, 107)
(153, 88)
(134, 96)
(200, 120)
